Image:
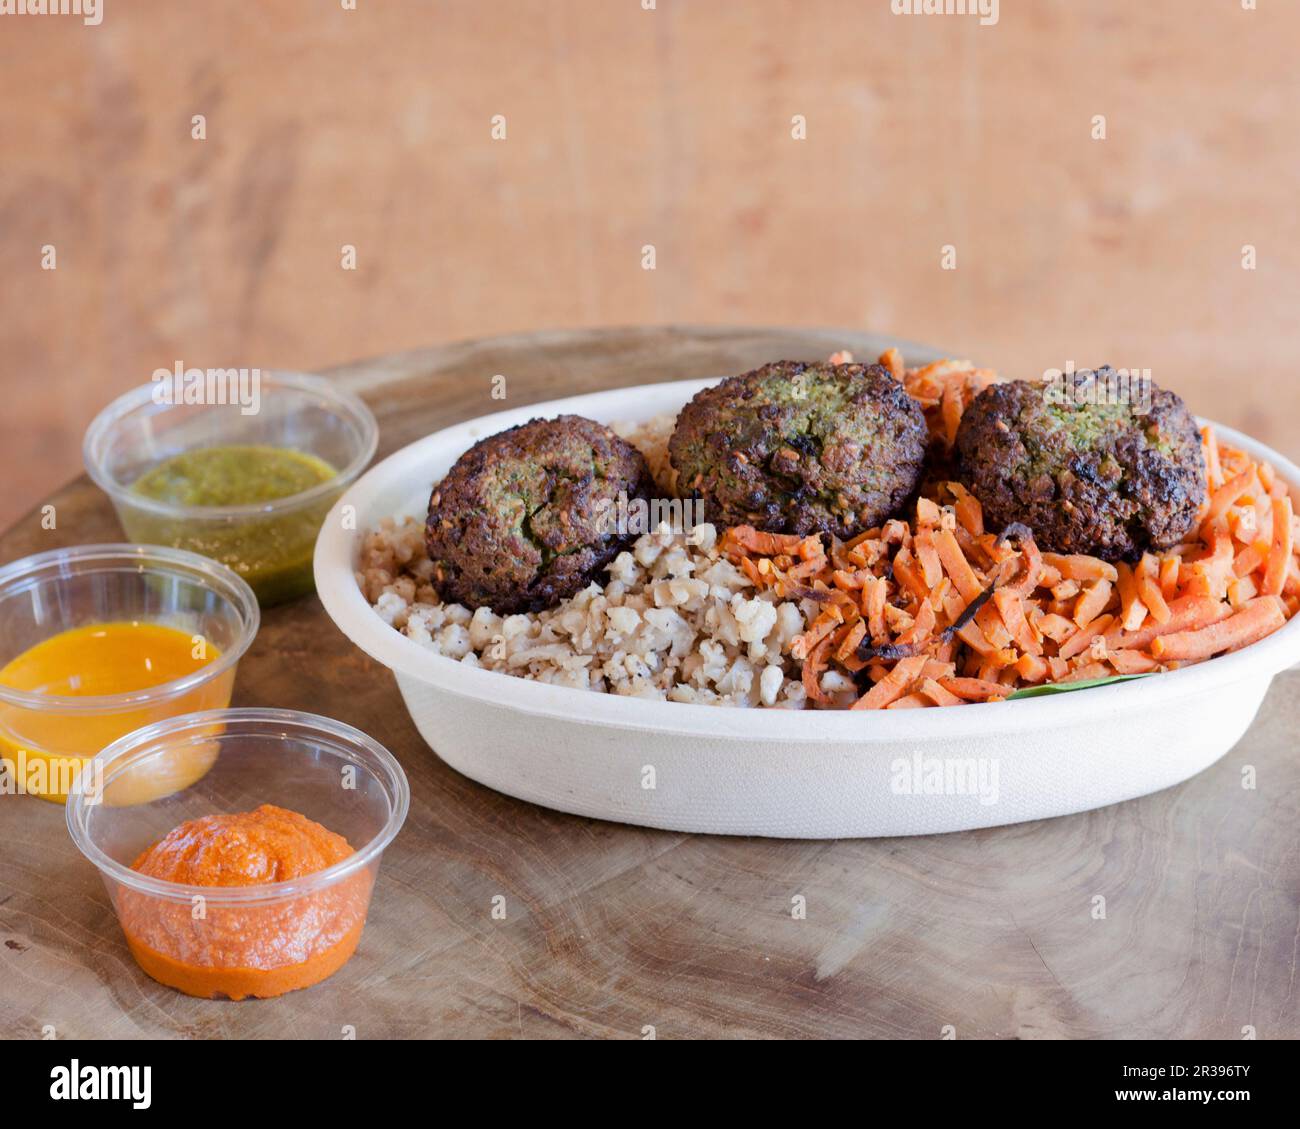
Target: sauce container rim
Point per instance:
(343, 402)
(144, 559)
(277, 724)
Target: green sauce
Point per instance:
(273, 552)
(232, 476)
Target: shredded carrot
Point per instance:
(1250, 558)
(1092, 602)
(951, 407)
(1210, 445)
(974, 689)
(1066, 590)
(908, 574)
(892, 359)
(852, 637)
(1199, 583)
(1126, 661)
(957, 566)
(823, 625)
(968, 510)
(1185, 614)
(1032, 669)
(1169, 569)
(1082, 639)
(1225, 497)
(1087, 671)
(1011, 607)
(1241, 592)
(873, 606)
(1149, 589)
(928, 556)
(1279, 555)
(894, 685)
(1055, 627)
(922, 626)
(1080, 567)
(1132, 610)
(928, 513)
(938, 695)
(813, 668)
(1260, 617)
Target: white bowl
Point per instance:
(786, 773)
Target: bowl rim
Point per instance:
(147, 741)
(152, 559)
(336, 585)
(344, 403)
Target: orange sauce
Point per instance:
(101, 659)
(107, 658)
(256, 950)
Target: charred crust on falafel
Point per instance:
(1110, 477)
(526, 518)
(801, 448)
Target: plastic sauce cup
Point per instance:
(241, 941)
(269, 544)
(45, 739)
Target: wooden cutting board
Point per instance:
(620, 932)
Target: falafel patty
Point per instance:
(1087, 470)
(801, 448)
(524, 518)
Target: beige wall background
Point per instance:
(628, 127)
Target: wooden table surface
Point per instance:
(613, 930)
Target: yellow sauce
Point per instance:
(46, 745)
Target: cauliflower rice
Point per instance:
(675, 620)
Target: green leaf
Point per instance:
(1067, 687)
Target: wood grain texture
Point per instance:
(610, 929)
(628, 127)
